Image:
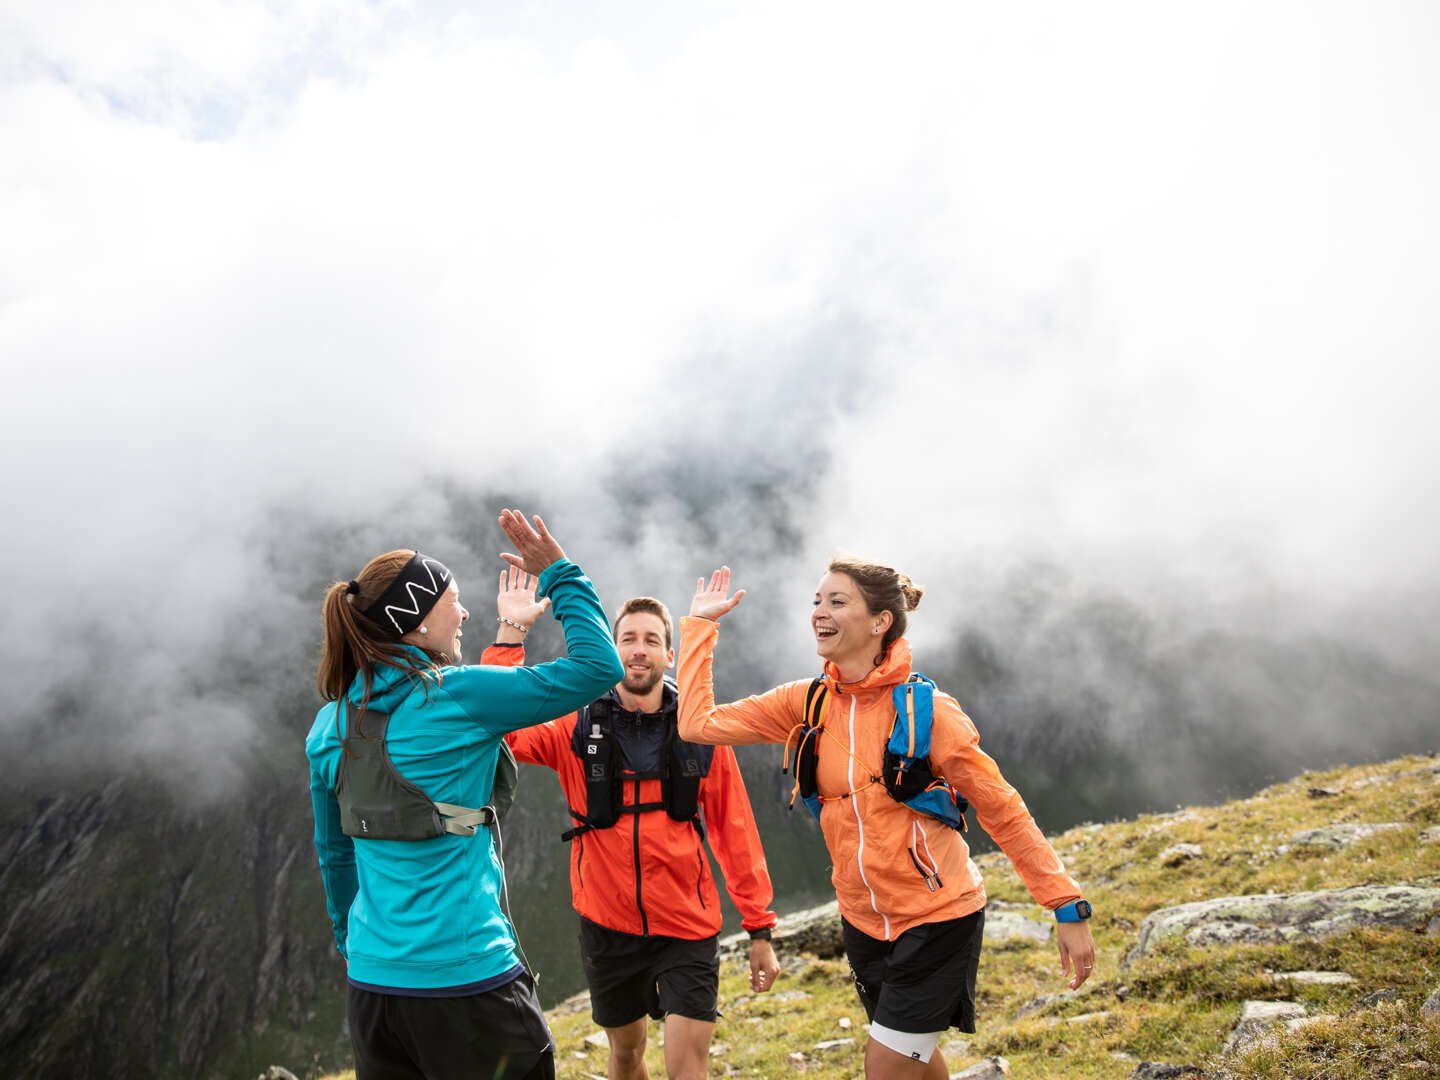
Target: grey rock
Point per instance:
(278, 1072)
(1322, 793)
(814, 930)
(1000, 925)
(1286, 916)
(1430, 835)
(992, 1068)
(598, 1039)
(1179, 854)
(1335, 837)
(1257, 1018)
(1313, 978)
(831, 1044)
(1378, 997)
(1431, 1006)
(1163, 1070)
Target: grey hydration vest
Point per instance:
(377, 803)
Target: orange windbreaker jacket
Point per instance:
(874, 841)
(648, 873)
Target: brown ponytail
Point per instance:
(354, 645)
(883, 589)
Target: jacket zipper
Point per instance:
(580, 860)
(929, 855)
(860, 825)
(700, 876)
(639, 903)
(928, 883)
(930, 873)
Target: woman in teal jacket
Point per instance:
(436, 987)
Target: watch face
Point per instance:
(1082, 909)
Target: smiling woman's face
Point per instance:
(442, 625)
(844, 627)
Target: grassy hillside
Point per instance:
(1175, 1005)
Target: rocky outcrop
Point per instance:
(1004, 921)
(1335, 837)
(1283, 917)
(817, 931)
(814, 930)
(1257, 1018)
(142, 937)
(1312, 978)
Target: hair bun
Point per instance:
(911, 591)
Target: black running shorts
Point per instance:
(924, 980)
(498, 1034)
(631, 975)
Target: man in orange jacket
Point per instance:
(643, 801)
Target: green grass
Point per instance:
(1177, 1004)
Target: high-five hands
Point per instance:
(536, 548)
(515, 603)
(714, 601)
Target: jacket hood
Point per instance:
(392, 684)
(893, 670)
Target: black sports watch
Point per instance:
(1075, 911)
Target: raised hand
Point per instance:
(713, 601)
(536, 548)
(515, 603)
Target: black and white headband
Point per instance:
(408, 599)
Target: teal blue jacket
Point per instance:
(426, 914)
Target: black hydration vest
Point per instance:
(377, 803)
(682, 766)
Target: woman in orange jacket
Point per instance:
(911, 899)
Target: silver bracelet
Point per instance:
(512, 622)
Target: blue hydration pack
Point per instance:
(906, 774)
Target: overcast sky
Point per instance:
(1146, 288)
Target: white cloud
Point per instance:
(1148, 290)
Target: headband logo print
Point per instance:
(409, 598)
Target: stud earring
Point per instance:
(875, 631)
(424, 629)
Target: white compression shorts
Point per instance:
(912, 1045)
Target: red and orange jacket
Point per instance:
(648, 873)
(885, 856)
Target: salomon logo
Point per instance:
(591, 748)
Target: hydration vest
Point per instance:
(906, 774)
(377, 803)
(682, 766)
